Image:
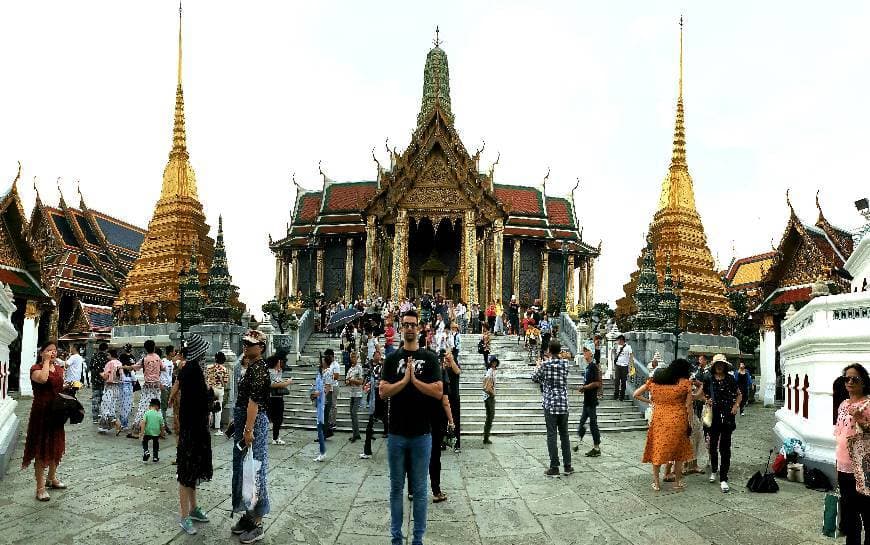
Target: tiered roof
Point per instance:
(19, 267)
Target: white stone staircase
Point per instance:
(518, 405)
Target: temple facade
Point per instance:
(677, 237)
(433, 220)
(176, 231)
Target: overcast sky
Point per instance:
(776, 96)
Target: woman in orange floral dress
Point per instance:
(668, 436)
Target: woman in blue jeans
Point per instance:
(319, 398)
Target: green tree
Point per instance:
(744, 328)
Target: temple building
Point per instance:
(177, 230)
(807, 254)
(20, 269)
(432, 220)
(676, 235)
(85, 256)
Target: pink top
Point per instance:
(151, 366)
(111, 371)
(845, 428)
(389, 333)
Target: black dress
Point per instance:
(194, 439)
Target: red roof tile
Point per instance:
(309, 204)
(524, 201)
(526, 232)
(787, 297)
(559, 212)
(348, 197)
(328, 229)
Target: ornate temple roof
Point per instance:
(677, 234)
(436, 151)
(747, 272)
(18, 265)
(177, 227)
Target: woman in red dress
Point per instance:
(45, 441)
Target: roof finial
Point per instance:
(437, 42)
(17, 176)
(179, 42)
(681, 56)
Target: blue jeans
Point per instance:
(590, 413)
(411, 455)
(321, 438)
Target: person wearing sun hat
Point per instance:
(193, 456)
(723, 395)
(251, 425)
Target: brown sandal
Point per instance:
(42, 495)
(438, 498)
(57, 485)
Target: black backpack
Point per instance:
(763, 483)
(816, 480)
(480, 347)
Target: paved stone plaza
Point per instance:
(496, 495)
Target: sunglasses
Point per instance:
(249, 343)
(409, 324)
(853, 380)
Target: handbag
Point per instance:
(250, 474)
(707, 416)
(859, 452)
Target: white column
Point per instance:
(768, 361)
(29, 346)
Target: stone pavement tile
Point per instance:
(353, 539)
(586, 528)
(12, 510)
(807, 527)
(532, 483)
(50, 525)
(446, 533)
(685, 508)
(620, 505)
(739, 529)
(371, 519)
(659, 529)
(490, 488)
(323, 523)
(591, 484)
(504, 518)
(373, 488)
(105, 502)
(558, 504)
(520, 461)
(132, 528)
(457, 508)
(318, 496)
(525, 539)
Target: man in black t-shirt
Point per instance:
(411, 384)
(591, 386)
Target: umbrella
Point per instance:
(340, 319)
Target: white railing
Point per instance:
(303, 332)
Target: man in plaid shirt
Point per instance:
(552, 375)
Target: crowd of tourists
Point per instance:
(403, 372)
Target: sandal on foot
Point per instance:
(679, 485)
(438, 498)
(57, 485)
(42, 495)
(656, 487)
(669, 478)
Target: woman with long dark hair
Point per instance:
(193, 455)
(277, 390)
(45, 442)
(667, 439)
(723, 396)
(854, 507)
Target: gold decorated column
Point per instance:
(569, 290)
(294, 264)
(400, 256)
(485, 269)
(469, 229)
(498, 257)
(348, 271)
(277, 277)
(590, 288)
(369, 274)
(581, 300)
(515, 271)
(318, 283)
(545, 278)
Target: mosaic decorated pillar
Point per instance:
(369, 273)
(277, 277)
(498, 255)
(348, 271)
(581, 301)
(9, 422)
(545, 278)
(569, 289)
(470, 247)
(318, 283)
(400, 256)
(515, 284)
(29, 347)
(294, 279)
(590, 285)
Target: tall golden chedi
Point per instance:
(177, 228)
(677, 234)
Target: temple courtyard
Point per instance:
(497, 496)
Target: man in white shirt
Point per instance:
(330, 380)
(73, 366)
(622, 357)
(166, 381)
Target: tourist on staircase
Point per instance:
(45, 441)
(591, 384)
(453, 370)
(354, 379)
(330, 381)
(442, 423)
(489, 380)
(376, 405)
(411, 382)
(852, 412)
(723, 395)
(514, 315)
(389, 336)
(490, 316)
(622, 358)
(552, 375)
(483, 345)
(462, 316)
(546, 332)
(454, 341)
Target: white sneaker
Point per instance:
(724, 486)
(278, 442)
(218, 433)
(320, 458)
(713, 476)
(364, 456)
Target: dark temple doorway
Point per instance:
(433, 258)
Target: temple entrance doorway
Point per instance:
(434, 258)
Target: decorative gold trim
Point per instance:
(515, 288)
(318, 283)
(545, 278)
(371, 234)
(348, 271)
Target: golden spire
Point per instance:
(678, 157)
(178, 176)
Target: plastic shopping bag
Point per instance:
(250, 476)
